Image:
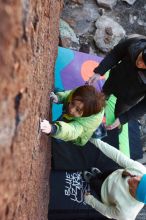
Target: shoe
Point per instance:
(87, 176)
(95, 171)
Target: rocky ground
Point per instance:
(95, 26)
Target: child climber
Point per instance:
(83, 111)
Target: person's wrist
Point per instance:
(53, 129)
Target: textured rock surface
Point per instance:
(68, 36)
(28, 48)
(81, 17)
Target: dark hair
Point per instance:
(144, 55)
(127, 174)
(93, 100)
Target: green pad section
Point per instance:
(110, 118)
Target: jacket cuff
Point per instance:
(88, 198)
(53, 129)
(99, 70)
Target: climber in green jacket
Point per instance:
(83, 113)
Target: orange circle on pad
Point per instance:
(87, 69)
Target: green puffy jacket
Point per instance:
(80, 129)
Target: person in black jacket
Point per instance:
(127, 78)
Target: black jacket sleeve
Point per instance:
(134, 113)
(114, 56)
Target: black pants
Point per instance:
(97, 181)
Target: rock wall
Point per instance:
(28, 49)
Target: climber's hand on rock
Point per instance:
(45, 126)
(53, 97)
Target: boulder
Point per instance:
(108, 33)
(107, 3)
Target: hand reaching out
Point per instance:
(87, 194)
(93, 79)
(114, 125)
(45, 126)
(53, 97)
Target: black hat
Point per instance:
(144, 55)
